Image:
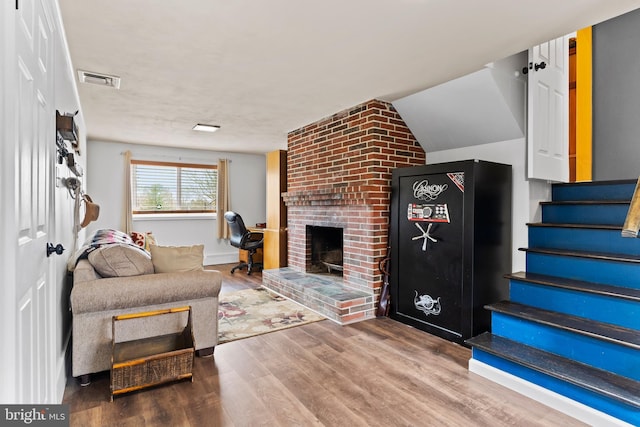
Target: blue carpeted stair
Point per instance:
(572, 324)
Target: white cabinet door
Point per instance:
(548, 111)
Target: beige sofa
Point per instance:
(95, 300)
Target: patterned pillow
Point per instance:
(138, 239)
(102, 237)
(120, 260)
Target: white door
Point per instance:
(548, 111)
(35, 141)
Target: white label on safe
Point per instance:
(427, 305)
(423, 191)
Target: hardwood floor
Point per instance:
(238, 280)
(373, 373)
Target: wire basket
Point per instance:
(151, 361)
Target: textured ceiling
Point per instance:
(260, 69)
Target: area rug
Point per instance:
(251, 312)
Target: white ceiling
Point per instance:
(260, 69)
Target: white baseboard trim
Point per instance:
(552, 399)
(61, 382)
(224, 258)
(63, 360)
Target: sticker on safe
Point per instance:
(428, 212)
(427, 305)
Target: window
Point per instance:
(159, 187)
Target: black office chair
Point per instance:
(242, 238)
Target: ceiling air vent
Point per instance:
(99, 79)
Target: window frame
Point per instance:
(173, 212)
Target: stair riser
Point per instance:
(617, 311)
(621, 360)
(591, 270)
(601, 403)
(582, 239)
(620, 191)
(585, 214)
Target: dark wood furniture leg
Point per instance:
(205, 352)
(84, 380)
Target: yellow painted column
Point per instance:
(584, 84)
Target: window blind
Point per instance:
(159, 187)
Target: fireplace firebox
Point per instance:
(326, 244)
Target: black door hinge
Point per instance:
(17, 4)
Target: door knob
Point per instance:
(541, 66)
(58, 249)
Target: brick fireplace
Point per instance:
(339, 176)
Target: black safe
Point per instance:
(450, 238)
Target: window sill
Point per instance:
(174, 217)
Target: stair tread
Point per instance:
(603, 331)
(577, 285)
(606, 383)
(595, 183)
(574, 225)
(585, 254)
(585, 202)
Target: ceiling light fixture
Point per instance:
(99, 79)
(206, 128)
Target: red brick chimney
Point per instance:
(339, 175)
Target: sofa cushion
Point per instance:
(120, 260)
(99, 238)
(169, 259)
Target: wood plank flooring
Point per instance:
(374, 373)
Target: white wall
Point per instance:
(66, 101)
(480, 108)
(247, 176)
(526, 194)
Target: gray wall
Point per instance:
(616, 98)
